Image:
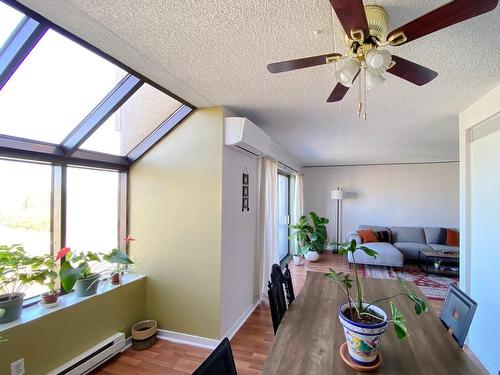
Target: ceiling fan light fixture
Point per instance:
(373, 79)
(346, 74)
(379, 60)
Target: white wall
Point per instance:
(391, 195)
(480, 221)
(238, 290)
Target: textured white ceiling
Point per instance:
(215, 52)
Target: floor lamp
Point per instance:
(337, 195)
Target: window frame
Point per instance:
(23, 39)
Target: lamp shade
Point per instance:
(347, 73)
(337, 194)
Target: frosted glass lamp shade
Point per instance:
(337, 194)
(346, 75)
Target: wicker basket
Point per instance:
(144, 334)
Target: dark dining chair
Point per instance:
(274, 305)
(290, 294)
(278, 280)
(457, 313)
(219, 362)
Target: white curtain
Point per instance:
(267, 225)
(297, 206)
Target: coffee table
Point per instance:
(448, 260)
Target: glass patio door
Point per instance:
(283, 214)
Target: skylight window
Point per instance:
(9, 19)
(54, 89)
(132, 122)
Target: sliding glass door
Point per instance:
(283, 214)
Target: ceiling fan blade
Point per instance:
(338, 93)
(412, 72)
(351, 14)
(449, 14)
(305, 62)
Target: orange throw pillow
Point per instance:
(367, 235)
(452, 237)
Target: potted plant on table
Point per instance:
(78, 270)
(364, 322)
(18, 271)
(311, 235)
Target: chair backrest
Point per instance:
(290, 294)
(276, 314)
(278, 279)
(457, 313)
(219, 362)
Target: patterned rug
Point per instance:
(432, 286)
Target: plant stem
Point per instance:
(358, 285)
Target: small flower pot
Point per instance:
(11, 307)
(115, 279)
(363, 339)
(48, 298)
(297, 260)
(88, 286)
(312, 256)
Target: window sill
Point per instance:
(36, 311)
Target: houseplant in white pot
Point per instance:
(18, 271)
(364, 322)
(79, 270)
(311, 235)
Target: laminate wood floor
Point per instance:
(250, 345)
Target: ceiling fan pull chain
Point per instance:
(364, 93)
(360, 102)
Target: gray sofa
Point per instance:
(406, 244)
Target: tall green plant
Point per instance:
(310, 233)
(346, 283)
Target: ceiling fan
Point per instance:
(366, 32)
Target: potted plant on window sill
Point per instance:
(311, 235)
(364, 323)
(48, 277)
(119, 262)
(77, 271)
(18, 271)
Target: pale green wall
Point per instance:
(52, 340)
(175, 215)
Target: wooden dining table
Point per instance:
(310, 335)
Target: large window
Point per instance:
(25, 208)
(92, 209)
(283, 215)
(58, 84)
(61, 97)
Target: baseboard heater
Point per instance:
(95, 356)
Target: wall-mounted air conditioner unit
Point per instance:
(243, 135)
(95, 356)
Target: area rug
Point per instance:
(432, 286)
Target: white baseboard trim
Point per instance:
(184, 338)
(242, 319)
(204, 342)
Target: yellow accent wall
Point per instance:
(48, 342)
(175, 215)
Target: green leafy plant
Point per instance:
(76, 266)
(357, 304)
(18, 270)
(310, 233)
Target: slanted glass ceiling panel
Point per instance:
(9, 19)
(54, 89)
(147, 109)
